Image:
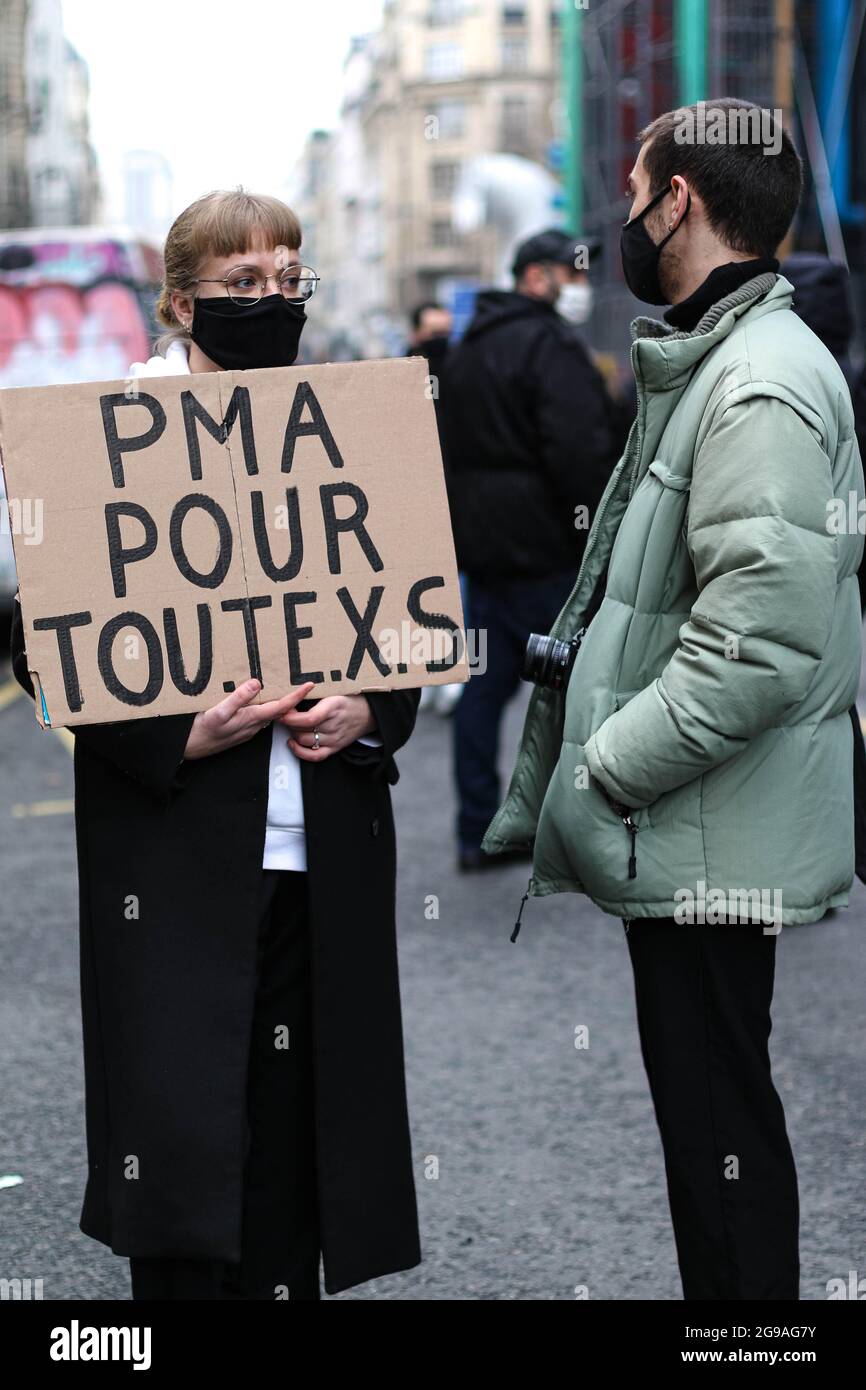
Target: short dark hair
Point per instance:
(750, 196)
(420, 310)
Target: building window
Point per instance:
(442, 232)
(443, 177)
(443, 12)
(443, 61)
(514, 14)
(515, 125)
(451, 119)
(513, 54)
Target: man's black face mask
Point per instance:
(640, 254)
(241, 337)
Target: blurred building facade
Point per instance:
(48, 169)
(567, 85)
(439, 83)
(14, 115)
(147, 192)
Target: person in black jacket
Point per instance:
(243, 1053)
(530, 436)
(429, 338)
(822, 298)
(430, 328)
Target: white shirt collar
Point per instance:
(177, 354)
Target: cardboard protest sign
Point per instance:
(290, 524)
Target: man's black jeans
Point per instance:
(703, 1005)
(504, 612)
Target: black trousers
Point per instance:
(703, 997)
(280, 1235)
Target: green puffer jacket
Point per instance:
(711, 691)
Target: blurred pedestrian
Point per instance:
(430, 330)
(693, 774)
(530, 437)
(429, 337)
(243, 1053)
(822, 299)
(576, 304)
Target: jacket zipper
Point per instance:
(639, 424)
(516, 931)
(625, 816)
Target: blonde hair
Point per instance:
(217, 225)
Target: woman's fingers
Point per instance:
(240, 701)
(310, 755)
(236, 718)
(228, 708)
(314, 718)
(276, 709)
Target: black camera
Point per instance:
(548, 661)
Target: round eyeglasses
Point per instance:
(245, 284)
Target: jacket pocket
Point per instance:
(642, 817)
(582, 838)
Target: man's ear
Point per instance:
(681, 192)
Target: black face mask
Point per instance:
(240, 337)
(640, 254)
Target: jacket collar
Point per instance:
(663, 357)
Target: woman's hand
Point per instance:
(339, 719)
(236, 719)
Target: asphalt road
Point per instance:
(549, 1168)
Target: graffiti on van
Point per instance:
(73, 310)
(75, 305)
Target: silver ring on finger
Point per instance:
(316, 743)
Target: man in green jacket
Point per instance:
(693, 775)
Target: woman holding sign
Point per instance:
(246, 1103)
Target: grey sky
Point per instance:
(177, 76)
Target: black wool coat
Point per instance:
(170, 864)
(529, 432)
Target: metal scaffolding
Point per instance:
(625, 61)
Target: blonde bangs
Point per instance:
(224, 223)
